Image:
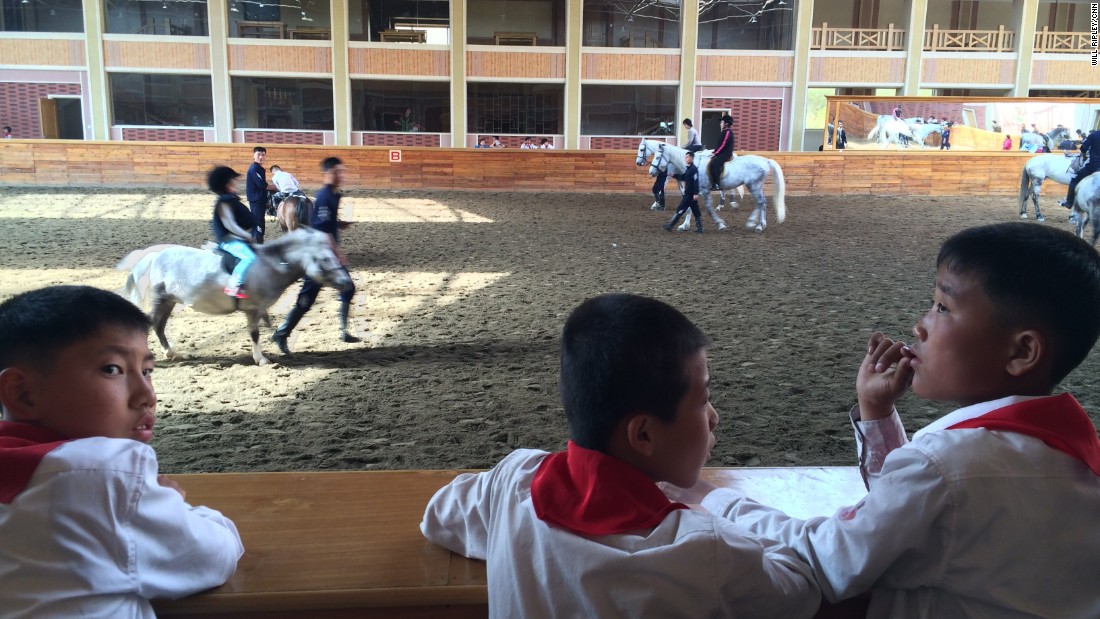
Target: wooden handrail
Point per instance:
(1047, 40)
(999, 40)
(880, 39)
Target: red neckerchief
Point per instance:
(1058, 421)
(592, 493)
(22, 447)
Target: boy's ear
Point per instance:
(639, 434)
(16, 394)
(1028, 352)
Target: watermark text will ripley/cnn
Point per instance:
(1094, 39)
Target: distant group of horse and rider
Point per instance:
(245, 273)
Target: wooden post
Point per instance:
(933, 37)
(1001, 38)
(824, 35)
(890, 37)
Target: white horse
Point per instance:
(1086, 206)
(174, 274)
(921, 131)
(889, 129)
(1033, 141)
(749, 170)
(647, 149)
(1056, 167)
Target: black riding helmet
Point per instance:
(218, 178)
(727, 119)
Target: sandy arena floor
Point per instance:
(461, 298)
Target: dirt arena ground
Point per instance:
(461, 298)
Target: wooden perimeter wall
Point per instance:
(61, 163)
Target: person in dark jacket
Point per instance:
(1090, 148)
(722, 154)
(691, 194)
(256, 188)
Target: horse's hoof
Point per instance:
(722, 227)
(1023, 215)
(1040, 218)
(263, 361)
(760, 227)
(171, 354)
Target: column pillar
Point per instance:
(98, 101)
(1025, 14)
(458, 73)
(571, 105)
(341, 83)
(219, 70)
(689, 46)
(800, 73)
(914, 46)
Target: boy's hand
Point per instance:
(883, 376)
(688, 496)
(168, 483)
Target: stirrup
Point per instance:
(236, 293)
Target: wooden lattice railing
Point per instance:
(883, 39)
(1065, 42)
(999, 40)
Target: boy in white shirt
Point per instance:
(586, 532)
(88, 528)
(991, 511)
(286, 185)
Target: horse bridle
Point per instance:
(653, 164)
(640, 161)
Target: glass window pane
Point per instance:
(162, 100)
(284, 19)
(380, 106)
(628, 110)
(515, 22)
(751, 24)
(273, 103)
(42, 16)
(170, 17)
(524, 109)
(619, 23)
(400, 21)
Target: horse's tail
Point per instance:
(780, 192)
(138, 262)
(874, 131)
(1025, 189)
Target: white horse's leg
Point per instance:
(254, 333)
(1037, 187)
(757, 220)
(713, 213)
(162, 310)
(687, 221)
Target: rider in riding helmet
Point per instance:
(1090, 148)
(722, 154)
(231, 223)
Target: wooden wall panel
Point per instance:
(743, 68)
(515, 64)
(42, 52)
(848, 70)
(384, 61)
(634, 67)
(1056, 74)
(147, 54)
(167, 164)
(280, 58)
(968, 71)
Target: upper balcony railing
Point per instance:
(872, 39)
(1062, 42)
(999, 40)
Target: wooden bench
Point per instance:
(403, 36)
(515, 38)
(348, 544)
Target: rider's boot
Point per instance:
(344, 335)
(283, 332)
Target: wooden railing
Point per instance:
(999, 40)
(1071, 42)
(882, 39)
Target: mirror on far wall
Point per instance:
(975, 124)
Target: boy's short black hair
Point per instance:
(1035, 275)
(276, 168)
(623, 354)
(687, 121)
(259, 149)
(329, 163)
(36, 325)
(219, 177)
(7, 128)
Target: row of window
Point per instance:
(494, 108)
(737, 24)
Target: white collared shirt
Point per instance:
(284, 182)
(958, 523)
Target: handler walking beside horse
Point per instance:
(691, 195)
(325, 218)
(231, 224)
(1091, 148)
(722, 154)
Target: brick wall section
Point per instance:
(19, 106)
(61, 163)
(756, 122)
(143, 134)
(284, 137)
(622, 143)
(401, 139)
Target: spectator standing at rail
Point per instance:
(841, 136)
(546, 144)
(7, 132)
(496, 142)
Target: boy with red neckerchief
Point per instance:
(990, 511)
(587, 532)
(87, 527)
